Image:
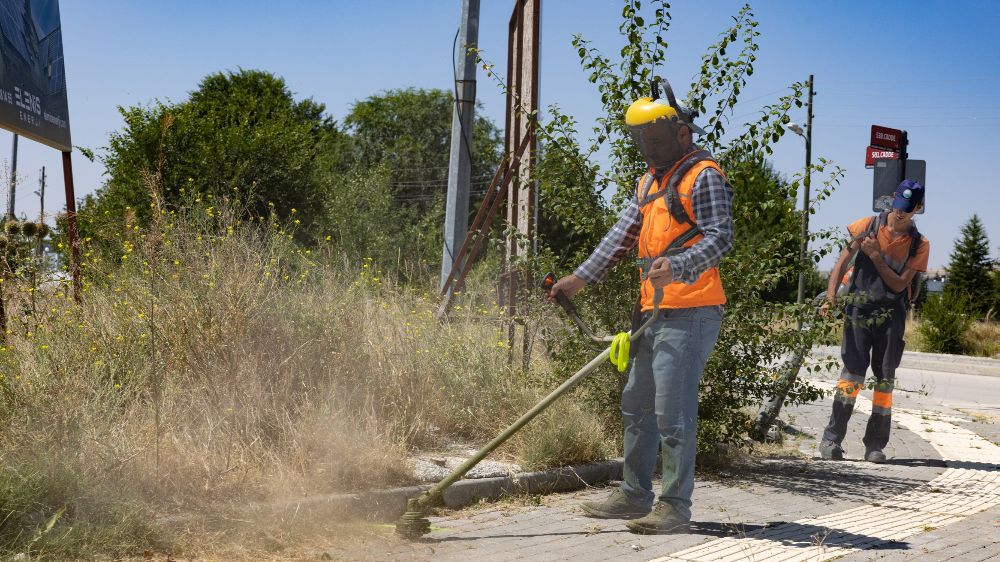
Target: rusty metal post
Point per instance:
(74, 240)
(522, 98)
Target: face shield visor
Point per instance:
(654, 124)
(657, 142)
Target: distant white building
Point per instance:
(936, 279)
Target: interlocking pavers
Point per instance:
(766, 506)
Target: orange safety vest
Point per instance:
(660, 228)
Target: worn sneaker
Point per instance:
(663, 520)
(831, 451)
(875, 456)
(617, 506)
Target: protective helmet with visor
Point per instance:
(654, 121)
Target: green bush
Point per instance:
(51, 511)
(943, 323)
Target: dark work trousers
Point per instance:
(871, 337)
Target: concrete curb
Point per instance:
(940, 362)
(388, 505)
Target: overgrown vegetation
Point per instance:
(214, 359)
(962, 319)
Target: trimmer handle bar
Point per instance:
(548, 282)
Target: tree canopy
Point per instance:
(969, 267)
(408, 132)
(240, 136)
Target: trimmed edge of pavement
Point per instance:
(941, 362)
(390, 504)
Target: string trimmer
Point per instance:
(414, 523)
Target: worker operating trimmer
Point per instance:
(681, 220)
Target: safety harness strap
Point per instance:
(674, 205)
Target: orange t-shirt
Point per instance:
(895, 247)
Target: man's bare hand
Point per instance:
(869, 245)
(660, 274)
(570, 285)
(825, 308)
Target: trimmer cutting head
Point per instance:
(414, 523)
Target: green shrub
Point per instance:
(943, 324)
(49, 510)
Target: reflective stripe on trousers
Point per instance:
(871, 338)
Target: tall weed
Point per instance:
(215, 361)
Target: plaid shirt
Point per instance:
(713, 199)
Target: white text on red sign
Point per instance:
(885, 136)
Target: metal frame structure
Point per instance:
(523, 48)
(513, 179)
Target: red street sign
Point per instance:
(884, 137)
(874, 152)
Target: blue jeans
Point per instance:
(660, 404)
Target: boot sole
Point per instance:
(598, 514)
(640, 529)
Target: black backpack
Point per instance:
(916, 238)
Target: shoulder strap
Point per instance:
(870, 230)
(645, 183)
(674, 205)
(915, 239)
(883, 220)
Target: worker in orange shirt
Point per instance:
(889, 253)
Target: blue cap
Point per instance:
(908, 195)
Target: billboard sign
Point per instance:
(884, 137)
(32, 76)
(872, 153)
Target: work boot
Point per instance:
(663, 520)
(875, 455)
(617, 506)
(831, 451)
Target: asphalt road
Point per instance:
(978, 393)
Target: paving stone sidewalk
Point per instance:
(764, 494)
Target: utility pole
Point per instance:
(41, 196)
(13, 180)
(41, 210)
(456, 221)
(805, 200)
(771, 405)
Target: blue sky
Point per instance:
(927, 67)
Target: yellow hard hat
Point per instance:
(646, 110)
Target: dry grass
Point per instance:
(212, 362)
(981, 340)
